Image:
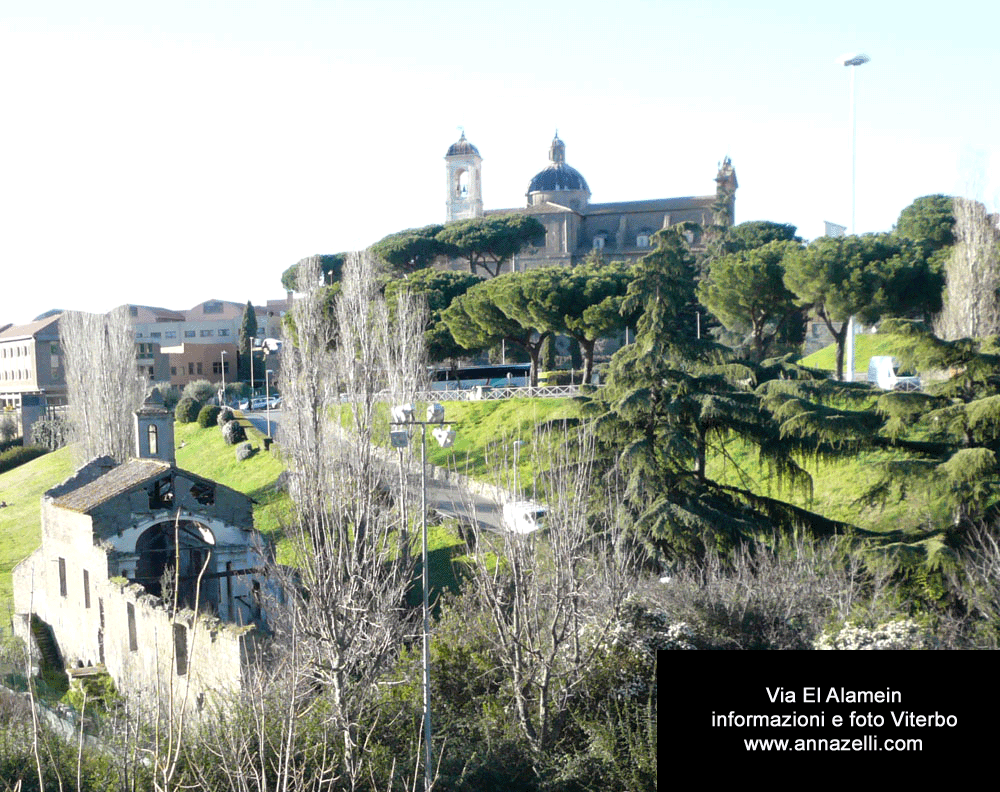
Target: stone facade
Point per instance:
(559, 197)
(118, 540)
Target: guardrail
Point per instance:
(487, 394)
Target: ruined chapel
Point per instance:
(118, 542)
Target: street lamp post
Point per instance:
(402, 416)
(852, 61)
(267, 397)
(222, 368)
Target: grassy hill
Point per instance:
(865, 347)
(20, 531)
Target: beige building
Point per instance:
(559, 197)
(31, 362)
(208, 322)
(112, 537)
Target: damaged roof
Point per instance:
(116, 481)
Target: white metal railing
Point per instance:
(487, 394)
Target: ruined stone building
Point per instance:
(117, 540)
(558, 196)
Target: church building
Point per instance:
(148, 571)
(559, 197)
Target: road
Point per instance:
(445, 497)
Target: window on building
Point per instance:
(86, 589)
(133, 642)
(170, 334)
(205, 333)
(642, 241)
(212, 307)
(154, 335)
(138, 334)
(54, 349)
(190, 369)
(198, 366)
(189, 333)
(219, 368)
(223, 332)
(62, 577)
(181, 648)
(154, 447)
(599, 242)
(173, 371)
(133, 310)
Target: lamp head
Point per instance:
(853, 59)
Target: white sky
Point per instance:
(168, 153)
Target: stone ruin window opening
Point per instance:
(161, 495)
(204, 493)
(172, 556)
(153, 444)
(133, 641)
(62, 577)
(180, 649)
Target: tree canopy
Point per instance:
(488, 243)
(868, 276)
(413, 249)
(331, 266)
(746, 291)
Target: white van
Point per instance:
(882, 373)
(523, 516)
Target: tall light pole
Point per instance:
(222, 368)
(852, 61)
(402, 418)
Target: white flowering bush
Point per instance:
(899, 634)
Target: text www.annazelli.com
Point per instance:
(866, 743)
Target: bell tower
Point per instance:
(154, 430)
(464, 174)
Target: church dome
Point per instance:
(558, 176)
(462, 148)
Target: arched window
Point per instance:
(153, 440)
(462, 184)
(600, 241)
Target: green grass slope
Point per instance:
(20, 519)
(865, 347)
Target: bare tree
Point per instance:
(972, 271)
(346, 616)
(103, 383)
(545, 591)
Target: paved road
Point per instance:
(443, 496)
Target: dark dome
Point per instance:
(558, 176)
(462, 148)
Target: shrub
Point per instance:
(226, 415)
(170, 394)
(233, 432)
(8, 428)
(208, 416)
(199, 390)
(244, 451)
(52, 431)
(186, 410)
(13, 457)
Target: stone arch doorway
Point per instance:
(175, 553)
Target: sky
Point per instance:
(168, 153)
